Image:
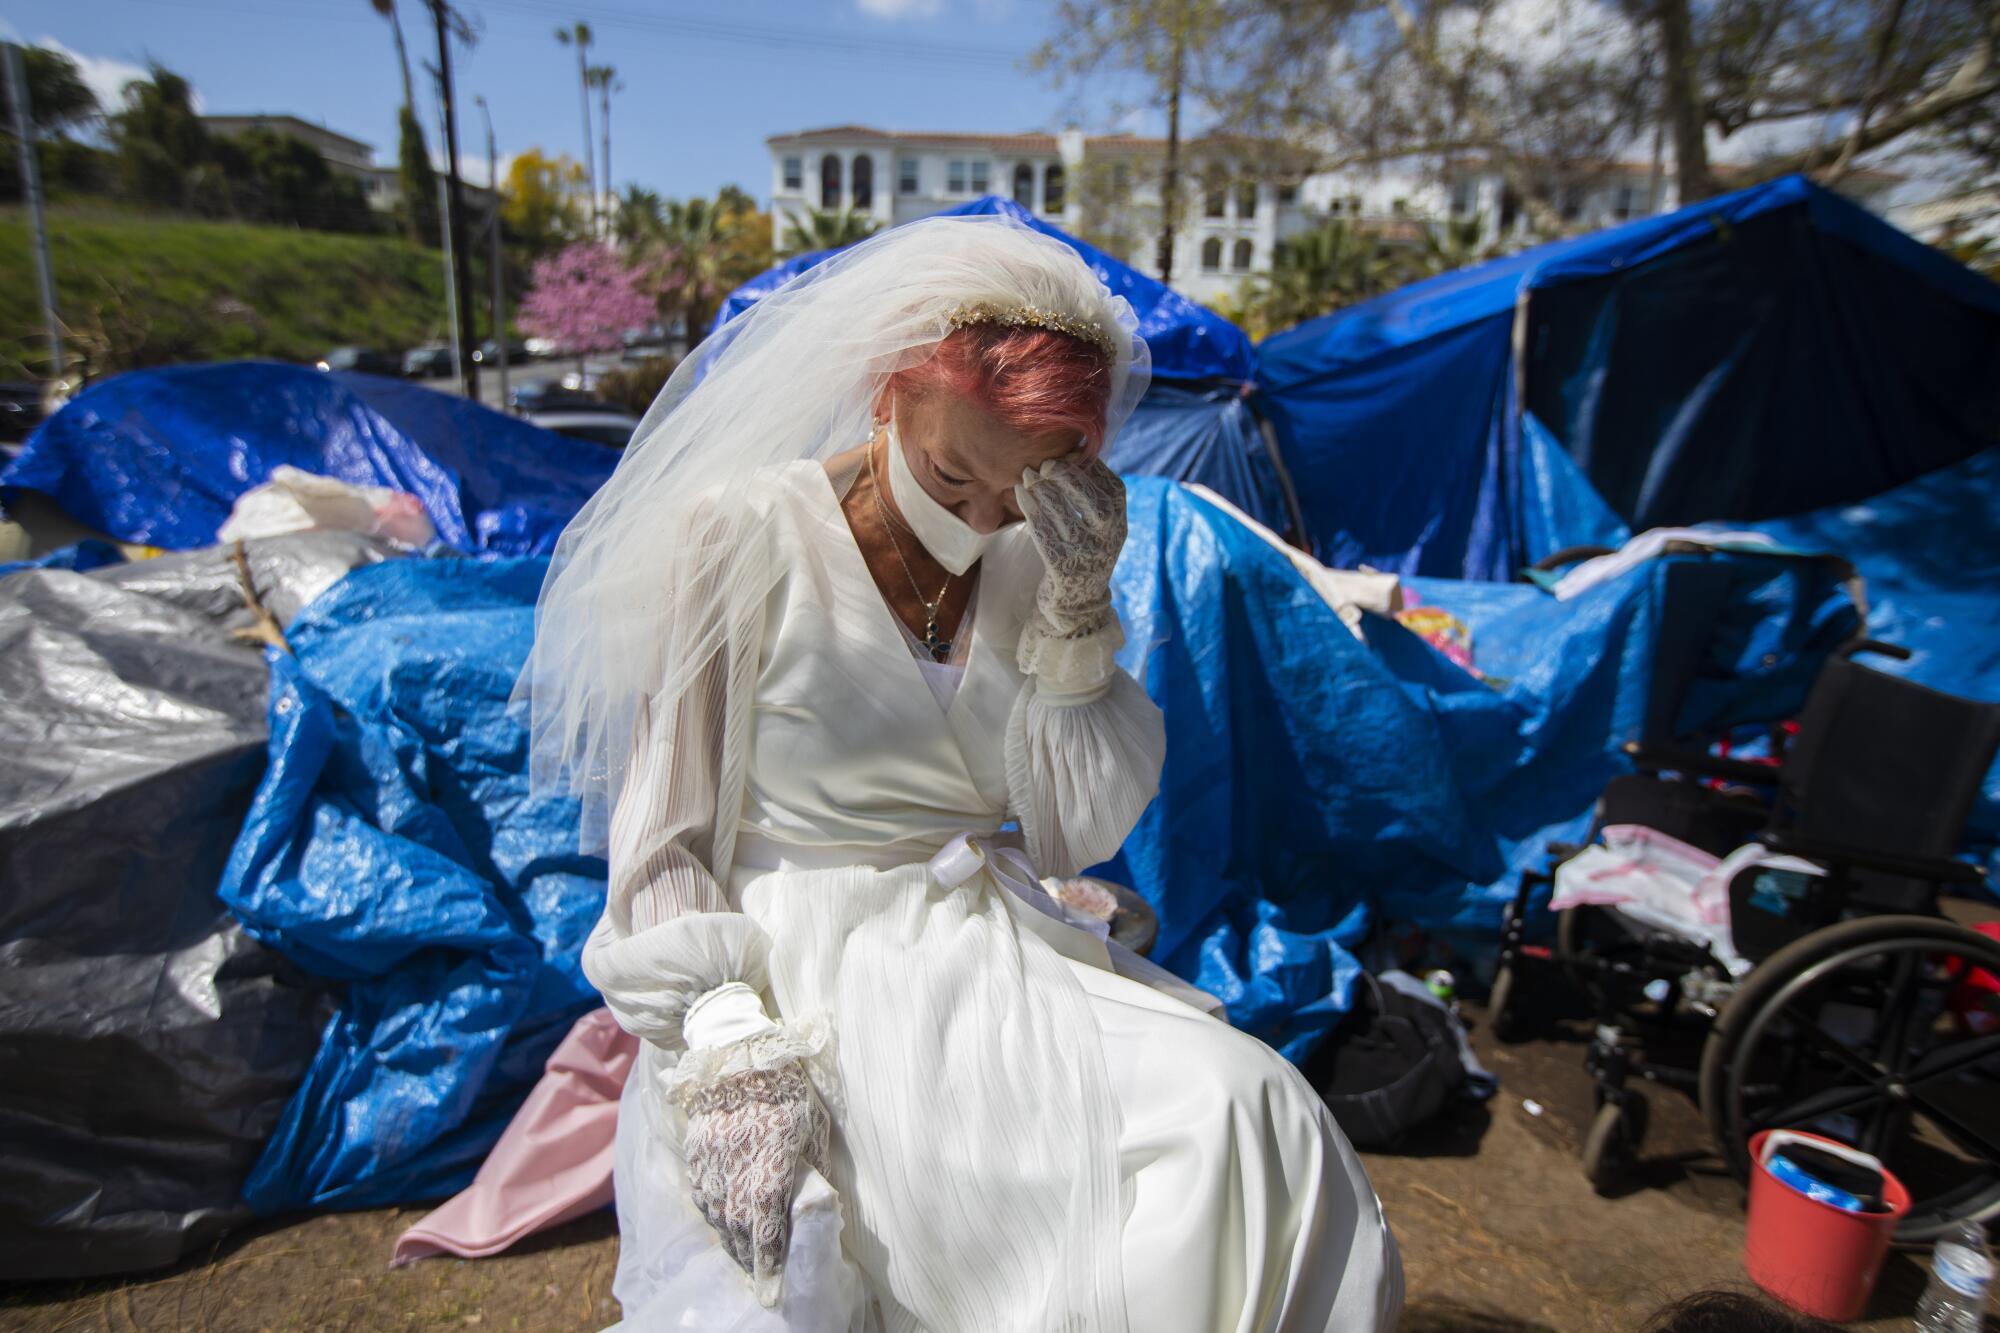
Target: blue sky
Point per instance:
(704, 83)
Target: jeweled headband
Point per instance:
(1033, 317)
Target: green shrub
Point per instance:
(137, 289)
(634, 387)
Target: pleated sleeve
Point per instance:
(1081, 768)
(669, 934)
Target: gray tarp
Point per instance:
(147, 1045)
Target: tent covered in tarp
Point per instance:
(159, 456)
(1194, 425)
(1318, 784)
(1765, 353)
(148, 1044)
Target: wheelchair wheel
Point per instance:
(1612, 1147)
(1851, 1032)
(1500, 1005)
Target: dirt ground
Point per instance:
(1498, 1229)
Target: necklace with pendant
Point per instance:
(938, 646)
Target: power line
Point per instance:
(667, 25)
(705, 29)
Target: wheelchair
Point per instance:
(1848, 1004)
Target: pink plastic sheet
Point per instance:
(553, 1163)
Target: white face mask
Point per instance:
(952, 541)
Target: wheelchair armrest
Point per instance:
(1877, 647)
(1699, 763)
(1936, 869)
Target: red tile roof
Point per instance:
(1033, 142)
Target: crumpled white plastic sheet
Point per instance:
(294, 500)
(1662, 882)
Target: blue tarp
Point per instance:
(1316, 785)
(87, 554)
(159, 456)
(394, 846)
(1188, 341)
(1761, 354)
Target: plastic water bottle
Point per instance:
(1961, 1273)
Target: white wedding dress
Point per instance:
(1024, 1139)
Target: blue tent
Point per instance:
(159, 456)
(1769, 352)
(1194, 425)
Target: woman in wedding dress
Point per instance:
(830, 661)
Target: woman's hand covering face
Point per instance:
(1075, 510)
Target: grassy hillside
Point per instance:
(139, 290)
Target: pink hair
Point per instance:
(1033, 380)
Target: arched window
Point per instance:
(1239, 258)
(1024, 185)
(1215, 202)
(829, 182)
(1211, 255)
(864, 183)
(1052, 188)
(1246, 199)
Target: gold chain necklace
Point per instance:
(938, 646)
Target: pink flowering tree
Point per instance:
(584, 297)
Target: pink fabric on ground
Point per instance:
(554, 1161)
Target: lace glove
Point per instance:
(1075, 510)
(753, 1118)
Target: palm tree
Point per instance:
(413, 159)
(1332, 266)
(578, 35)
(640, 216)
(688, 256)
(1455, 243)
(825, 229)
(604, 78)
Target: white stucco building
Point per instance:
(1106, 188)
(1227, 232)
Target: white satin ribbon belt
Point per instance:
(969, 853)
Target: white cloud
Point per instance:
(106, 75)
(901, 9)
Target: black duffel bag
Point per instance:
(1392, 1064)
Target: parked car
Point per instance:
(20, 412)
(547, 395)
(543, 348)
(364, 359)
(488, 352)
(598, 423)
(431, 361)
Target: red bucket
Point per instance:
(1811, 1255)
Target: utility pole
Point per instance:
(31, 189)
(1170, 189)
(493, 260)
(443, 18)
(606, 75)
(448, 224)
